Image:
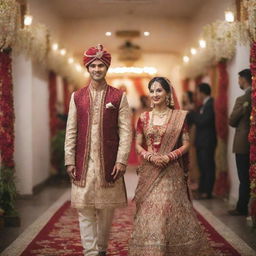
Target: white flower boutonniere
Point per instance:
(246, 104)
(110, 105)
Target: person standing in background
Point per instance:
(240, 120)
(205, 140)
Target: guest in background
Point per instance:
(188, 103)
(205, 140)
(240, 119)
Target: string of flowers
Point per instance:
(9, 22)
(250, 7)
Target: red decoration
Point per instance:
(139, 86)
(185, 84)
(6, 110)
(198, 80)
(66, 96)
(221, 116)
(221, 105)
(52, 103)
(252, 135)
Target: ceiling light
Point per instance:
(229, 16)
(202, 43)
(55, 46)
(146, 33)
(70, 60)
(108, 33)
(186, 59)
(193, 51)
(63, 52)
(28, 20)
(78, 68)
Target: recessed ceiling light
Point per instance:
(63, 52)
(193, 51)
(186, 59)
(146, 33)
(108, 33)
(55, 46)
(229, 16)
(202, 43)
(70, 60)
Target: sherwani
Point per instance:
(92, 198)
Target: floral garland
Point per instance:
(7, 184)
(252, 137)
(6, 106)
(250, 6)
(9, 22)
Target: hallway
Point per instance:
(39, 207)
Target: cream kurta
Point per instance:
(93, 195)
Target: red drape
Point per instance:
(52, 103)
(221, 102)
(198, 80)
(66, 96)
(139, 86)
(252, 135)
(6, 110)
(185, 84)
(221, 114)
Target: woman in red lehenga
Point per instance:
(165, 223)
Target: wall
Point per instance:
(30, 88)
(40, 125)
(23, 154)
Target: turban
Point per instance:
(96, 53)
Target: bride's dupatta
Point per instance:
(149, 172)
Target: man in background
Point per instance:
(205, 140)
(240, 120)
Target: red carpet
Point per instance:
(60, 236)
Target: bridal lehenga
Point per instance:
(165, 223)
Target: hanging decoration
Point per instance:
(9, 22)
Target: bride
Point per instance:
(165, 223)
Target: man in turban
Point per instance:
(98, 139)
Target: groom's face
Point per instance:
(97, 70)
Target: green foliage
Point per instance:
(57, 152)
(8, 191)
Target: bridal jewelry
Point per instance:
(157, 133)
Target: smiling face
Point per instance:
(158, 94)
(97, 70)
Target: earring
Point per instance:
(167, 101)
(172, 102)
(152, 105)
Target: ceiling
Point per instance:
(79, 9)
(84, 22)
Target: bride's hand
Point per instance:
(160, 161)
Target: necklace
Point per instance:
(161, 115)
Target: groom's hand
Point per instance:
(118, 170)
(71, 170)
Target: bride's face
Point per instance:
(157, 94)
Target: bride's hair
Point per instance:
(163, 81)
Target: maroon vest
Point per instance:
(109, 135)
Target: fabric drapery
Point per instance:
(221, 114)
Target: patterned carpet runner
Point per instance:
(60, 236)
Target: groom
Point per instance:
(98, 139)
